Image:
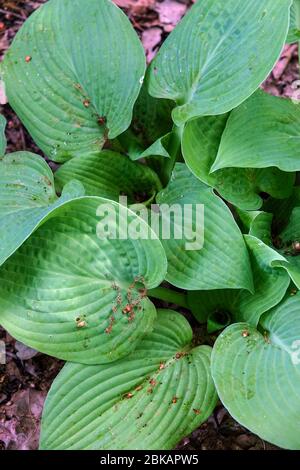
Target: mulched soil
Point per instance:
(27, 376)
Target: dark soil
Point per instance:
(27, 376)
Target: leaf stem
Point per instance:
(168, 295)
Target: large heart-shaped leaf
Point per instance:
(240, 186)
(2, 135)
(222, 260)
(148, 400)
(77, 293)
(73, 74)
(109, 174)
(270, 285)
(257, 374)
(200, 65)
(27, 198)
(294, 31)
(262, 132)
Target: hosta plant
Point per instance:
(191, 135)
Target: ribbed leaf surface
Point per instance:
(284, 254)
(66, 292)
(27, 198)
(201, 66)
(262, 132)
(73, 74)
(270, 285)
(257, 374)
(223, 261)
(148, 400)
(240, 186)
(109, 174)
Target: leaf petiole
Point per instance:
(168, 295)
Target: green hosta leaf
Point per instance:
(270, 285)
(148, 400)
(283, 253)
(65, 292)
(200, 144)
(27, 198)
(200, 65)
(282, 209)
(294, 31)
(288, 238)
(158, 148)
(223, 261)
(2, 136)
(206, 303)
(82, 76)
(262, 132)
(109, 174)
(258, 224)
(257, 374)
(151, 124)
(151, 116)
(133, 146)
(292, 231)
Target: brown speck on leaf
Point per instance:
(161, 366)
(245, 334)
(102, 120)
(129, 395)
(86, 103)
(152, 382)
(80, 322)
(131, 317)
(138, 388)
(108, 330)
(28, 58)
(77, 86)
(47, 181)
(174, 400)
(196, 411)
(266, 337)
(127, 309)
(179, 355)
(150, 390)
(143, 292)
